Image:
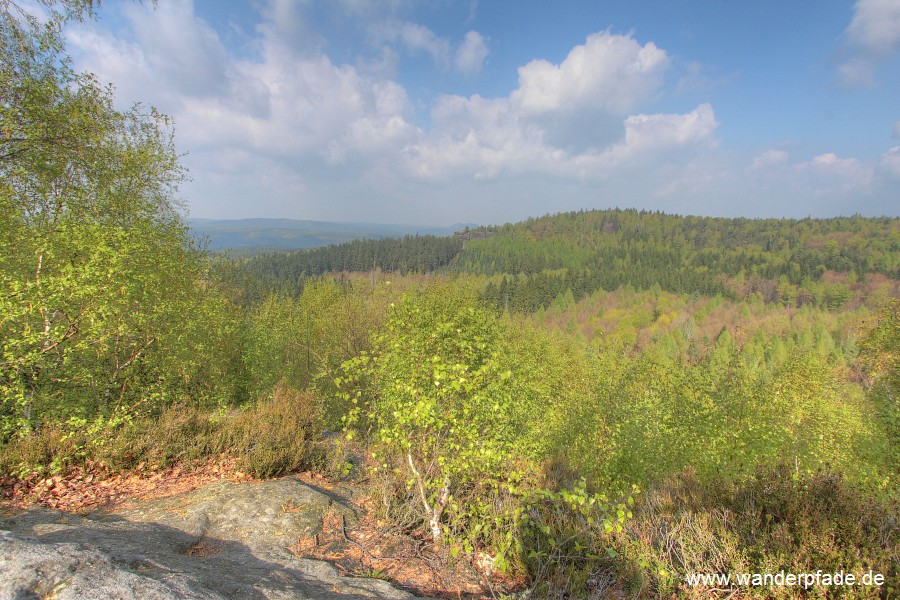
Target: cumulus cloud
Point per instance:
(415, 38)
(773, 174)
(466, 57)
(827, 173)
(876, 25)
(532, 129)
(488, 137)
(287, 21)
(872, 36)
(170, 50)
(283, 104)
(471, 53)
(293, 105)
(611, 73)
(581, 102)
(647, 135)
(311, 135)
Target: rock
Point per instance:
(262, 515)
(225, 540)
(31, 569)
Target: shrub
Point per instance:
(462, 408)
(438, 392)
(777, 520)
(277, 434)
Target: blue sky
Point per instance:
(438, 112)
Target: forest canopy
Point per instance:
(823, 262)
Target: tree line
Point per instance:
(410, 254)
(786, 261)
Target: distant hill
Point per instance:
(823, 262)
(258, 235)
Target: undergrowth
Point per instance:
(277, 434)
(572, 543)
(774, 521)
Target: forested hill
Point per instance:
(796, 248)
(820, 261)
(410, 254)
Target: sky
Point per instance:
(434, 112)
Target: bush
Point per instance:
(462, 408)
(774, 521)
(439, 394)
(277, 434)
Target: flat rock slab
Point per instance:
(225, 540)
(265, 515)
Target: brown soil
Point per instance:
(410, 561)
(84, 489)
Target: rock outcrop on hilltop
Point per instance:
(225, 540)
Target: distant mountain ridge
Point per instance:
(823, 262)
(293, 234)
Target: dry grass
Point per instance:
(769, 523)
(277, 434)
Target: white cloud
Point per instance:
(286, 20)
(857, 71)
(467, 57)
(471, 53)
(475, 137)
(278, 124)
(609, 73)
(827, 173)
(889, 164)
(416, 37)
(647, 135)
(281, 103)
(370, 136)
(170, 55)
(317, 107)
(310, 136)
(292, 104)
(181, 52)
(566, 120)
(872, 36)
(485, 138)
(876, 25)
(826, 184)
(769, 158)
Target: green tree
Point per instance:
(880, 363)
(98, 276)
(438, 398)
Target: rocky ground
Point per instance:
(214, 539)
(225, 540)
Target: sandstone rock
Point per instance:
(225, 540)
